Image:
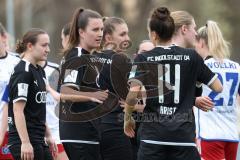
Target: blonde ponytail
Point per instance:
(217, 45)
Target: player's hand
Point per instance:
(52, 145)
(95, 100)
(139, 107)
(27, 151)
(1, 140)
(204, 103)
(100, 95)
(129, 126)
(122, 103)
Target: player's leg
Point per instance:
(115, 145)
(4, 149)
(151, 152)
(231, 150)
(212, 150)
(183, 152)
(61, 153)
(82, 151)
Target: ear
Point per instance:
(154, 37)
(184, 28)
(202, 43)
(81, 33)
(29, 46)
(108, 38)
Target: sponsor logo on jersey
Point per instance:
(35, 82)
(41, 97)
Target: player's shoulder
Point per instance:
(14, 57)
(13, 54)
(189, 51)
(23, 68)
(52, 65)
(74, 52)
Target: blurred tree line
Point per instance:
(52, 15)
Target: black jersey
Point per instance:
(27, 83)
(113, 77)
(169, 75)
(80, 132)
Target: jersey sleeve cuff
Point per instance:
(19, 99)
(198, 85)
(212, 80)
(71, 85)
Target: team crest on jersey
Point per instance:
(22, 89)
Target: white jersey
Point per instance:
(7, 64)
(52, 74)
(221, 123)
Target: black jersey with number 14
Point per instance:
(169, 75)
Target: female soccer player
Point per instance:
(218, 128)
(8, 62)
(115, 145)
(81, 139)
(185, 36)
(169, 74)
(27, 105)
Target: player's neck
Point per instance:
(3, 53)
(163, 43)
(29, 58)
(86, 47)
(178, 40)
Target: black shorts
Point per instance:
(41, 151)
(82, 151)
(164, 152)
(114, 144)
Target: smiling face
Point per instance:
(91, 36)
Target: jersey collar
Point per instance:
(166, 47)
(4, 56)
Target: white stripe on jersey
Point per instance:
(221, 123)
(213, 79)
(27, 65)
(169, 143)
(79, 51)
(79, 141)
(20, 98)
